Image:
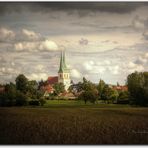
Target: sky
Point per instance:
(102, 40)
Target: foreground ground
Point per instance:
(61, 123)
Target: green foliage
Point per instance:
(58, 88)
(21, 99)
(89, 91)
(21, 83)
(123, 97)
(100, 88)
(90, 95)
(42, 101)
(138, 88)
(108, 94)
(12, 96)
(87, 85)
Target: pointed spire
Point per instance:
(63, 67)
(64, 63)
(61, 62)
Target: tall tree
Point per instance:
(100, 88)
(21, 83)
(138, 88)
(58, 88)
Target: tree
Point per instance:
(32, 89)
(21, 99)
(12, 96)
(21, 83)
(58, 88)
(123, 97)
(109, 94)
(8, 97)
(138, 88)
(89, 95)
(100, 88)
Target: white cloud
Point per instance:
(39, 67)
(6, 34)
(114, 69)
(141, 60)
(31, 35)
(75, 73)
(37, 76)
(134, 67)
(88, 65)
(46, 45)
(146, 55)
(27, 46)
(8, 70)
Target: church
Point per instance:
(63, 77)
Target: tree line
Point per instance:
(137, 93)
(25, 92)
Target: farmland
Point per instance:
(74, 124)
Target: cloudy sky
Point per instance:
(102, 40)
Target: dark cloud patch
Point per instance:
(83, 41)
(112, 7)
(145, 35)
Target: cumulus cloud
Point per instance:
(141, 60)
(8, 70)
(114, 69)
(75, 74)
(132, 67)
(6, 35)
(88, 65)
(46, 45)
(39, 67)
(138, 23)
(92, 67)
(37, 76)
(30, 35)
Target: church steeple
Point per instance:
(61, 63)
(63, 66)
(64, 63)
(64, 72)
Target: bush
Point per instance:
(21, 99)
(34, 102)
(123, 97)
(42, 101)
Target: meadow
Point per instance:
(72, 122)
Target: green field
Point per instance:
(63, 122)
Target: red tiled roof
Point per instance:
(124, 88)
(67, 95)
(2, 89)
(47, 88)
(52, 80)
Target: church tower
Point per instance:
(64, 72)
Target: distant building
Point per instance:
(120, 88)
(63, 77)
(64, 72)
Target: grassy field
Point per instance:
(74, 123)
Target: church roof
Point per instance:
(63, 66)
(52, 80)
